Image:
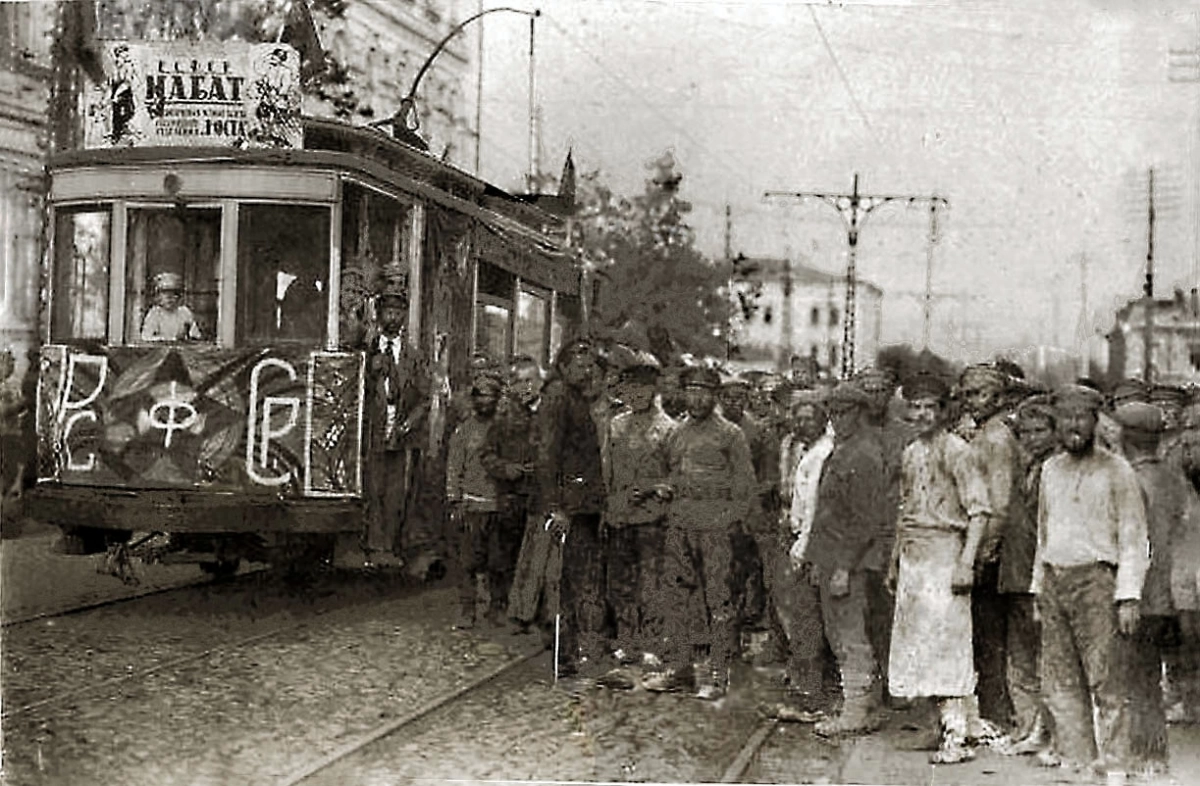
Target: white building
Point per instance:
(1175, 340)
(800, 311)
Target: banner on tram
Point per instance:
(232, 94)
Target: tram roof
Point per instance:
(323, 136)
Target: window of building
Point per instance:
(833, 357)
(283, 274)
(532, 316)
(81, 267)
(566, 322)
(815, 316)
(833, 317)
(494, 311)
(172, 266)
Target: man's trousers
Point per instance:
(845, 620)
(1080, 651)
(635, 564)
(696, 591)
(582, 630)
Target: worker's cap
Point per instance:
(168, 282)
(487, 384)
(699, 377)
(1036, 408)
(925, 385)
(983, 376)
(1130, 390)
(770, 381)
(731, 380)
(1168, 394)
(643, 367)
(1078, 397)
(1139, 416)
(847, 394)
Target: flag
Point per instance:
(566, 184)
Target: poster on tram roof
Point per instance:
(233, 94)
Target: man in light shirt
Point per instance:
(1091, 561)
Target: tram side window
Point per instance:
(566, 322)
(81, 266)
(375, 223)
(283, 273)
(493, 312)
(172, 262)
(531, 325)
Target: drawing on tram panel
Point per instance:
(259, 437)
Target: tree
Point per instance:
(657, 283)
(904, 362)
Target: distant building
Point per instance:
(800, 311)
(1175, 340)
(25, 70)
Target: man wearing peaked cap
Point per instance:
(1130, 390)
(1088, 577)
(851, 511)
(1171, 400)
(1138, 416)
(712, 477)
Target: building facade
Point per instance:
(1174, 328)
(800, 311)
(25, 45)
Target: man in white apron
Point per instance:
(944, 509)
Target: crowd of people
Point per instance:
(1024, 561)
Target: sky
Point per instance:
(1037, 121)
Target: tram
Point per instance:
(209, 312)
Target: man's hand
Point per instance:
(839, 583)
(557, 524)
(663, 491)
(1037, 609)
(456, 514)
(989, 550)
(1128, 613)
(963, 578)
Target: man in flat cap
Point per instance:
(1088, 572)
(1140, 658)
(945, 501)
(638, 493)
(1108, 431)
(851, 512)
(984, 389)
(1035, 425)
(712, 480)
(1170, 399)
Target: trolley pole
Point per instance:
(1148, 335)
(853, 209)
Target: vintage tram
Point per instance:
(207, 330)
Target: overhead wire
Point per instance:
(845, 78)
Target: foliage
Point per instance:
(657, 283)
(904, 362)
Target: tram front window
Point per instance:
(81, 257)
(172, 260)
(283, 273)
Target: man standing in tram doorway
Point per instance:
(397, 402)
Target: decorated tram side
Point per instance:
(252, 347)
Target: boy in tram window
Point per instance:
(168, 319)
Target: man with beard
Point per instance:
(636, 478)
(1035, 428)
(510, 458)
(712, 480)
(472, 499)
(572, 495)
(983, 389)
(851, 512)
(945, 512)
(1166, 494)
(1088, 573)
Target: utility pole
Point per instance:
(787, 311)
(934, 204)
(1084, 318)
(1184, 67)
(1148, 337)
(729, 285)
(853, 209)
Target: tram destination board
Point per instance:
(195, 94)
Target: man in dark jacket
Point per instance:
(851, 512)
(572, 497)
